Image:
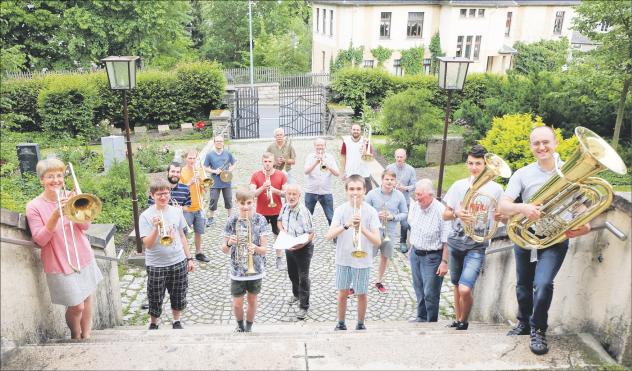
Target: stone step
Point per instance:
(351, 350)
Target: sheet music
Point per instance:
(284, 241)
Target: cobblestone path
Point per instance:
(209, 300)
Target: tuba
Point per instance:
(572, 197)
(357, 234)
(82, 207)
(481, 205)
(242, 252)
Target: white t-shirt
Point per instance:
(353, 158)
(344, 242)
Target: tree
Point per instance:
(347, 58)
(544, 55)
(435, 52)
(615, 52)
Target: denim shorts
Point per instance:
(465, 265)
(196, 220)
(358, 278)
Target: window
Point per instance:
(368, 63)
(508, 24)
(427, 63)
(317, 19)
(459, 46)
(481, 13)
(559, 20)
(323, 66)
(472, 13)
(477, 47)
(331, 23)
(468, 46)
(397, 64)
(385, 25)
(415, 24)
(604, 26)
(463, 13)
(324, 21)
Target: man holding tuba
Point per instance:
(355, 227)
(466, 255)
(192, 176)
(216, 161)
(391, 207)
(535, 269)
(168, 264)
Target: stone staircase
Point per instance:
(304, 346)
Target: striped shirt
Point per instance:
(428, 230)
(296, 221)
(180, 193)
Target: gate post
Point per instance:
(220, 119)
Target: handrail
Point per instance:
(21, 242)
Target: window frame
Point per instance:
(397, 66)
(317, 20)
(463, 12)
(324, 21)
(331, 22)
(558, 24)
(468, 46)
(416, 22)
(477, 47)
(459, 46)
(471, 13)
(480, 13)
(385, 32)
(369, 63)
(508, 24)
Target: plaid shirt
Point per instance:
(428, 230)
(296, 221)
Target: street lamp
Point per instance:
(452, 73)
(122, 76)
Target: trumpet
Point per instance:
(242, 251)
(321, 162)
(357, 233)
(76, 268)
(365, 149)
(271, 203)
(387, 238)
(165, 237)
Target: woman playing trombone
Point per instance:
(71, 271)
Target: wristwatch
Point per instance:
(190, 259)
(345, 226)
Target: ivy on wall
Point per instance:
(412, 60)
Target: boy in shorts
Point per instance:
(247, 256)
(351, 270)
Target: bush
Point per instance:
(412, 60)
(201, 88)
(410, 119)
(19, 97)
(153, 157)
(352, 86)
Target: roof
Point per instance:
(506, 49)
(494, 3)
(578, 38)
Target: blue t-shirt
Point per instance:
(216, 161)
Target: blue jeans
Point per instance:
(465, 265)
(404, 227)
(326, 202)
(534, 286)
(427, 284)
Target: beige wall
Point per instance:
(593, 290)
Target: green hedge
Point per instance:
(79, 104)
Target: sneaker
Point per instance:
(380, 288)
(177, 325)
(538, 342)
(280, 263)
(153, 326)
(239, 329)
(453, 324)
(201, 257)
(292, 300)
(340, 327)
(522, 328)
(462, 325)
(302, 313)
(210, 221)
(360, 326)
(403, 248)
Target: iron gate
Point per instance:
(245, 113)
(302, 110)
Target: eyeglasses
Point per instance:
(161, 194)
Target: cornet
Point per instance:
(242, 252)
(165, 237)
(271, 203)
(357, 233)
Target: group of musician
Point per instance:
(367, 224)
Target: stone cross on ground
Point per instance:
(307, 357)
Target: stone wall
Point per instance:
(339, 120)
(593, 289)
(26, 312)
(453, 150)
(268, 93)
(220, 121)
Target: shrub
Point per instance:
(382, 54)
(201, 88)
(153, 157)
(410, 118)
(347, 57)
(412, 60)
(19, 97)
(353, 85)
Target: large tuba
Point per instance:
(571, 198)
(480, 205)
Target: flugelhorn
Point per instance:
(571, 198)
(244, 244)
(357, 232)
(82, 207)
(165, 237)
(481, 205)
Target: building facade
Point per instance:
(483, 31)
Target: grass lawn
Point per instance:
(451, 174)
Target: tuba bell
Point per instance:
(572, 197)
(480, 205)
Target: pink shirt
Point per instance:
(54, 259)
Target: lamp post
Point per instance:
(122, 76)
(250, 43)
(452, 73)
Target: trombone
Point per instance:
(357, 233)
(242, 246)
(76, 268)
(165, 237)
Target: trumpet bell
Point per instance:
(226, 176)
(166, 240)
(207, 183)
(359, 254)
(367, 157)
(83, 208)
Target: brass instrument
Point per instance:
(175, 203)
(242, 252)
(387, 238)
(571, 198)
(480, 205)
(225, 175)
(165, 237)
(82, 207)
(207, 182)
(357, 233)
(287, 152)
(321, 162)
(271, 203)
(76, 268)
(365, 149)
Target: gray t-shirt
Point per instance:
(344, 242)
(159, 255)
(394, 203)
(454, 198)
(526, 181)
